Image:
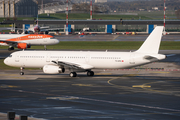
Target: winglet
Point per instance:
(152, 43)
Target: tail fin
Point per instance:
(37, 20)
(152, 43)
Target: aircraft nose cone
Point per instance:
(6, 61)
(56, 41)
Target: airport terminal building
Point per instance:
(103, 26)
(18, 8)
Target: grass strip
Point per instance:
(5, 67)
(110, 45)
(104, 45)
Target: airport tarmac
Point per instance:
(109, 37)
(149, 92)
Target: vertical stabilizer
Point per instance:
(152, 43)
(37, 21)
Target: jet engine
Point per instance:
(23, 45)
(53, 69)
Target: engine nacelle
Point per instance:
(53, 69)
(23, 45)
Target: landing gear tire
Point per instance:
(21, 73)
(90, 73)
(73, 74)
(11, 48)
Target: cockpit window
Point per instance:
(10, 56)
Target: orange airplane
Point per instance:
(26, 40)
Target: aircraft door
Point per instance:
(17, 57)
(87, 58)
(48, 57)
(45, 40)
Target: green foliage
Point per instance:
(104, 45)
(2, 19)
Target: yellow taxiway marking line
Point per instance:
(141, 86)
(109, 81)
(103, 73)
(62, 98)
(15, 76)
(128, 75)
(82, 84)
(159, 91)
(119, 86)
(8, 86)
(160, 72)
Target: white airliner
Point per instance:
(26, 41)
(38, 29)
(54, 62)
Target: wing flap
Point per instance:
(73, 65)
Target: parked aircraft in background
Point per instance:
(26, 41)
(35, 29)
(82, 31)
(54, 62)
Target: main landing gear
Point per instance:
(90, 73)
(11, 48)
(74, 74)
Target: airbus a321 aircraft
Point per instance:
(26, 41)
(54, 62)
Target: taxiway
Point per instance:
(146, 92)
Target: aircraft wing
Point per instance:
(73, 65)
(46, 27)
(55, 29)
(9, 42)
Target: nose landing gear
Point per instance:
(21, 73)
